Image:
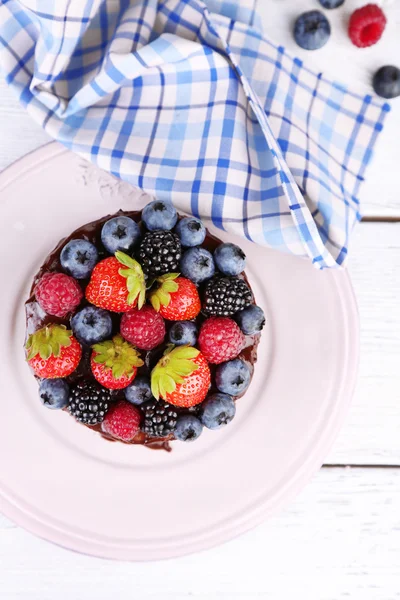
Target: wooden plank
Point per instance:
(371, 434)
(338, 540)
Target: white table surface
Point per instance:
(341, 537)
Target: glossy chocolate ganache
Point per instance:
(36, 318)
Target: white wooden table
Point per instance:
(341, 537)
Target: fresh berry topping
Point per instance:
(144, 328)
(91, 325)
(230, 259)
(191, 231)
(114, 287)
(220, 340)
(233, 377)
(114, 363)
(181, 377)
(183, 333)
(158, 215)
(176, 298)
(53, 352)
(197, 264)
(78, 258)
(54, 393)
(251, 320)
(366, 25)
(138, 391)
(160, 253)
(88, 402)
(331, 3)
(188, 428)
(120, 233)
(312, 30)
(122, 421)
(225, 296)
(386, 82)
(159, 418)
(217, 411)
(58, 294)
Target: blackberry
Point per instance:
(159, 418)
(225, 296)
(88, 402)
(160, 253)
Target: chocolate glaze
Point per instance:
(37, 318)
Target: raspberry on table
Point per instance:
(58, 294)
(220, 340)
(366, 25)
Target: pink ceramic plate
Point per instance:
(68, 485)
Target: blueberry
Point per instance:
(251, 320)
(331, 3)
(233, 377)
(191, 231)
(188, 428)
(159, 215)
(78, 258)
(183, 332)
(312, 30)
(386, 82)
(230, 259)
(54, 393)
(120, 233)
(138, 391)
(218, 410)
(197, 264)
(91, 325)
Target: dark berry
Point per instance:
(188, 428)
(233, 377)
(54, 393)
(191, 231)
(331, 3)
(79, 258)
(159, 215)
(225, 296)
(120, 233)
(312, 30)
(89, 402)
(386, 82)
(182, 333)
(91, 325)
(139, 391)
(159, 418)
(217, 410)
(160, 253)
(197, 264)
(230, 259)
(251, 320)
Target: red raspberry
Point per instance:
(366, 25)
(122, 421)
(220, 340)
(144, 328)
(58, 294)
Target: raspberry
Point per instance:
(366, 25)
(220, 340)
(122, 421)
(143, 328)
(58, 294)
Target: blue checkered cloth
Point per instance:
(198, 108)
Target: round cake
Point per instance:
(144, 327)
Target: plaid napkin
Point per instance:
(200, 109)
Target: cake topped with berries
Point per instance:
(144, 327)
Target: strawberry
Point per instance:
(53, 352)
(114, 363)
(176, 298)
(181, 377)
(114, 288)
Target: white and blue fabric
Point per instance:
(189, 101)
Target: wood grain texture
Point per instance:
(340, 539)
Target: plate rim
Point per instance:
(25, 518)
